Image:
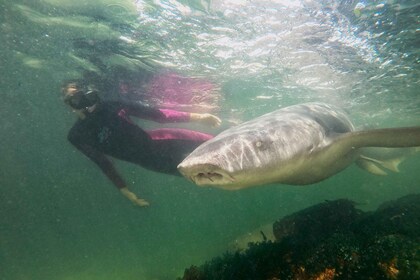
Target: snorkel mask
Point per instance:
(82, 99)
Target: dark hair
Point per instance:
(79, 83)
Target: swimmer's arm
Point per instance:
(133, 197)
(206, 119)
(103, 163)
(109, 170)
(167, 116)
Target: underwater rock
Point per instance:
(400, 216)
(317, 222)
(261, 234)
(331, 240)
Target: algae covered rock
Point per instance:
(331, 240)
(317, 222)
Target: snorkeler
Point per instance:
(104, 128)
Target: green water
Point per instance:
(61, 219)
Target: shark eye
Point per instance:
(263, 145)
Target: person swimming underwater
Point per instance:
(104, 129)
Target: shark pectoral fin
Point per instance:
(370, 166)
(393, 164)
(347, 143)
(390, 164)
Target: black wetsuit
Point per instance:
(108, 131)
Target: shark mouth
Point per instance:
(211, 176)
(219, 177)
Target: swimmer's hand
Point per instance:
(133, 197)
(207, 119)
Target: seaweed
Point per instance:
(331, 240)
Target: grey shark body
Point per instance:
(296, 145)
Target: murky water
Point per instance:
(62, 219)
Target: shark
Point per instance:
(297, 145)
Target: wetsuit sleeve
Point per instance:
(158, 115)
(103, 162)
